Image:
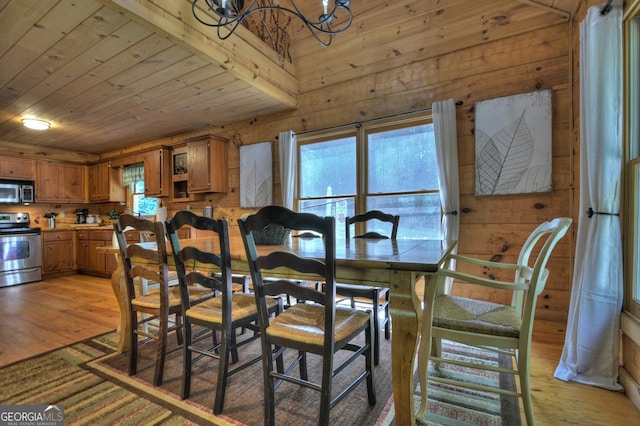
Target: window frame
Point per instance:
(361, 131)
(631, 138)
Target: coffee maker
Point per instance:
(81, 215)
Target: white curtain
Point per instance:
(288, 154)
(444, 123)
(591, 346)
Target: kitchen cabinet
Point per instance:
(60, 182)
(207, 165)
(157, 172)
(17, 168)
(105, 183)
(57, 252)
(89, 260)
(179, 177)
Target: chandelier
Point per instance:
(228, 14)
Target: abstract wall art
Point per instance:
(513, 144)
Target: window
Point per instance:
(144, 206)
(133, 178)
(632, 92)
(384, 165)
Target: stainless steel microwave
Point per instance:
(16, 192)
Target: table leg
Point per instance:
(406, 315)
(118, 285)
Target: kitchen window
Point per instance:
(133, 179)
(387, 165)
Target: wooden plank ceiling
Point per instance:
(109, 74)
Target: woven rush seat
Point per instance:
(306, 323)
(242, 306)
(476, 316)
(153, 297)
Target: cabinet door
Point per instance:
(72, 186)
(105, 183)
(98, 182)
(57, 256)
(198, 166)
(47, 181)
(157, 165)
(207, 164)
(17, 168)
(97, 261)
(82, 257)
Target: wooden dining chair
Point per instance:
(504, 329)
(159, 311)
(376, 297)
(317, 326)
(231, 308)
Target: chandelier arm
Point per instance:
(317, 25)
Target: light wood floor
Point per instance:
(42, 316)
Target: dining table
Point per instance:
(396, 264)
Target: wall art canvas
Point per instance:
(513, 144)
(256, 175)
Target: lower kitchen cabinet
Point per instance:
(89, 261)
(57, 252)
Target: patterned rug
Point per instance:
(89, 380)
(451, 405)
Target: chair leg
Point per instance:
(525, 387)
(387, 320)
(304, 375)
(269, 384)
(187, 360)
(371, 390)
(179, 329)
(325, 393)
(133, 344)
(436, 350)
(227, 338)
(161, 352)
(375, 300)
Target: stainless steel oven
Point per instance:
(20, 250)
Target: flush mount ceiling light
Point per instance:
(229, 14)
(35, 124)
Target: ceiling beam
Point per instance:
(243, 54)
(565, 15)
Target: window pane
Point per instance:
(419, 214)
(146, 206)
(402, 160)
(340, 208)
(328, 168)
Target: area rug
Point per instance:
(450, 405)
(89, 380)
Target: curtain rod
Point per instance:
(606, 8)
(358, 124)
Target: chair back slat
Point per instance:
(372, 215)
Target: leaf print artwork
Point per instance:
(516, 156)
(256, 180)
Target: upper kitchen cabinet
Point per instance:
(60, 182)
(207, 169)
(17, 168)
(105, 183)
(157, 172)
